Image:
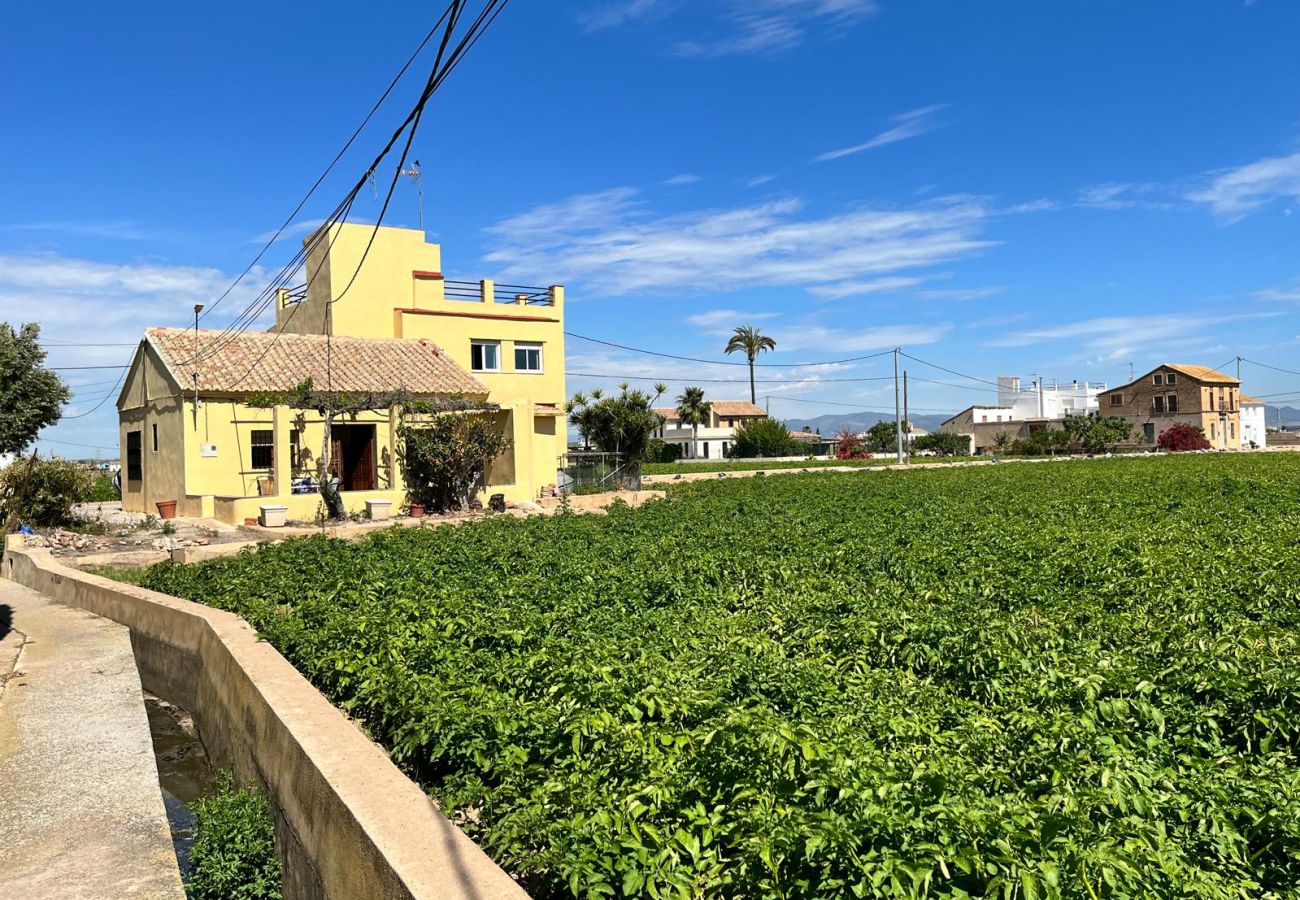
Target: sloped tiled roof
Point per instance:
(1245, 398)
(721, 407)
(737, 408)
(264, 361)
(1202, 373)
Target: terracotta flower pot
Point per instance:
(166, 509)
(416, 511)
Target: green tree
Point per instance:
(763, 437)
(751, 342)
(883, 436)
(942, 442)
(31, 396)
(622, 424)
(694, 411)
(41, 492)
(1002, 440)
(445, 459)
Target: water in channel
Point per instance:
(184, 771)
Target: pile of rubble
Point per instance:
(70, 542)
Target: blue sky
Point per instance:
(1063, 188)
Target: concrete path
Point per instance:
(81, 811)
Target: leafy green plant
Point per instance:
(943, 443)
(41, 492)
(101, 490)
(621, 424)
(445, 458)
(234, 847)
(763, 437)
(1076, 679)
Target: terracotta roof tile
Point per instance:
(1202, 373)
(737, 408)
(263, 361)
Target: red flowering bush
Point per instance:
(849, 446)
(1181, 437)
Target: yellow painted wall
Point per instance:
(388, 299)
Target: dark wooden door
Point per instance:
(353, 456)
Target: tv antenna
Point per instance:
(413, 173)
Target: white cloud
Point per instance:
(615, 14)
(1125, 195)
(722, 321)
(296, 229)
(121, 230)
(613, 246)
(1122, 334)
(103, 308)
(743, 26)
(857, 340)
(960, 294)
(682, 179)
(759, 180)
(1291, 294)
(1233, 193)
(858, 288)
(910, 124)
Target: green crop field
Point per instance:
(1074, 679)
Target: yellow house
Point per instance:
(188, 434)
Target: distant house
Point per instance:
(982, 426)
(1176, 393)
(714, 437)
(1043, 401)
(1254, 420)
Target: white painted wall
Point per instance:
(1253, 423)
(1058, 400)
(712, 443)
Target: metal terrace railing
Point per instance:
(501, 293)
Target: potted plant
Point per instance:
(416, 509)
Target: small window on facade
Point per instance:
(1211, 399)
(1232, 430)
(1212, 431)
(262, 451)
(706, 449)
(485, 356)
(295, 449)
(1158, 403)
(1171, 378)
(1171, 403)
(1157, 378)
(155, 437)
(134, 469)
(1116, 399)
(528, 357)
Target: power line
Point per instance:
(949, 371)
(83, 368)
(728, 380)
(852, 405)
(102, 400)
(1267, 366)
(355, 134)
(713, 362)
(71, 444)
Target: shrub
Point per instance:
(657, 451)
(444, 459)
(763, 437)
(41, 492)
(101, 490)
(943, 443)
(1181, 437)
(849, 446)
(234, 847)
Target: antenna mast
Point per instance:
(413, 173)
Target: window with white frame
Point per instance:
(1158, 403)
(1171, 403)
(1171, 378)
(528, 357)
(485, 356)
(1158, 378)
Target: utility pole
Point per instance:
(898, 409)
(1239, 371)
(198, 308)
(1130, 373)
(907, 422)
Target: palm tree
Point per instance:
(752, 342)
(694, 411)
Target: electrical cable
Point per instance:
(724, 362)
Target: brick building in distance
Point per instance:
(1169, 394)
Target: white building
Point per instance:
(1043, 401)
(713, 439)
(1253, 422)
